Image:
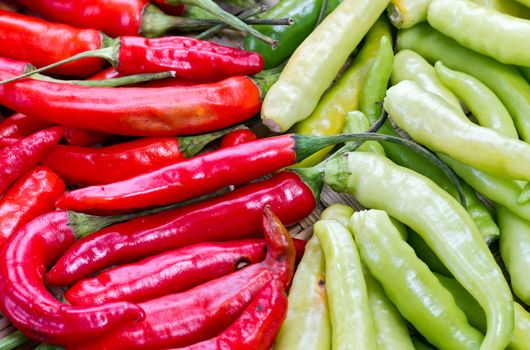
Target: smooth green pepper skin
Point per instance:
(307, 326)
(505, 81)
(356, 122)
(419, 345)
(525, 71)
(426, 254)
(316, 62)
(481, 101)
(484, 30)
(304, 13)
(441, 221)
(338, 212)
(431, 121)
(351, 319)
(409, 283)
(515, 251)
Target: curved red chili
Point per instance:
(194, 177)
(202, 312)
(21, 125)
(257, 326)
(18, 158)
(134, 111)
(43, 43)
(105, 74)
(33, 195)
(238, 137)
(83, 137)
(236, 215)
(26, 302)
(14, 66)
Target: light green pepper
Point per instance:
(307, 325)
(430, 120)
(426, 254)
(441, 221)
(409, 283)
(351, 318)
(338, 212)
(356, 122)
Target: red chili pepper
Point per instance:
(134, 111)
(236, 215)
(43, 43)
(90, 166)
(172, 10)
(26, 153)
(238, 137)
(21, 125)
(26, 302)
(8, 141)
(257, 326)
(196, 176)
(105, 74)
(14, 66)
(83, 137)
(31, 196)
(203, 312)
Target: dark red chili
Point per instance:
(203, 312)
(26, 302)
(33, 195)
(20, 124)
(163, 111)
(236, 215)
(258, 325)
(43, 43)
(196, 176)
(18, 158)
(238, 137)
(90, 166)
(83, 137)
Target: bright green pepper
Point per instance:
(307, 325)
(525, 71)
(431, 121)
(338, 212)
(409, 283)
(505, 81)
(408, 65)
(503, 37)
(304, 13)
(420, 345)
(351, 318)
(329, 116)
(316, 62)
(481, 101)
(440, 220)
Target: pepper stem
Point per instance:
(243, 15)
(191, 145)
(106, 53)
(13, 340)
(113, 82)
(312, 177)
(225, 17)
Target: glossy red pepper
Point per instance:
(203, 312)
(83, 137)
(238, 137)
(236, 215)
(133, 111)
(14, 66)
(8, 141)
(196, 176)
(21, 125)
(42, 43)
(26, 302)
(33, 195)
(257, 326)
(18, 158)
(107, 73)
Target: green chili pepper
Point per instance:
(329, 116)
(426, 254)
(441, 221)
(481, 101)
(505, 81)
(509, 7)
(503, 37)
(304, 13)
(316, 62)
(338, 212)
(307, 325)
(356, 122)
(431, 121)
(406, 13)
(525, 71)
(408, 65)
(351, 319)
(409, 283)
(419, 345)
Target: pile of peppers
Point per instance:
(149, 172)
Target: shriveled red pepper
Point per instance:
(43, 43)
(257, 326)
(90, 166)
(26, 302)
(197, 176)
(202, 312)
(236, 215)
(238, 137)
(21, 125)
(33, 195)
(18, 158)
(136, 111)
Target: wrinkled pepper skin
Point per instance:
(232, 216)
(26, 302)
(202, 312)
(42, 43)
(18, 158)
(32, 195)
